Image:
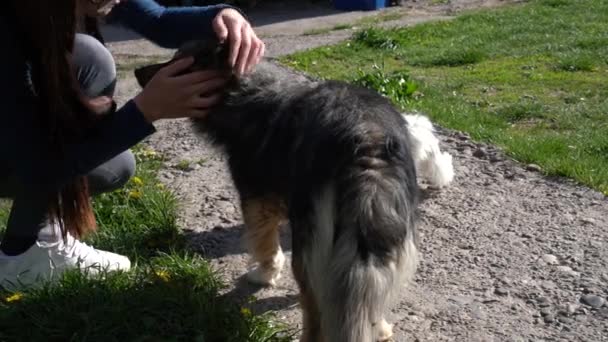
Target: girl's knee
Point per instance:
(114, 174)
(94, 65)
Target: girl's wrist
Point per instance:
(149, 114)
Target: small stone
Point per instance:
(565, 320)
(587, 220)
(414, 318)
(463, 136)
(572, 308)
(545, 312)
(533, 168)
(417, 313)
(550, 259)
(501, 291)
(568, 271)
(543, 302)
(548, 285)
(479, 153)
(495, 159)
(549, 318)
(593, 301)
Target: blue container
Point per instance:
(359, 5)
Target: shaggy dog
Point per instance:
(339, 163)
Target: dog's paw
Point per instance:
(383, 331)
(264, 277)
(267, 274)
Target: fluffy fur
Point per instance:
(338, 162)
(432, 164)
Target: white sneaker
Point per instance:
(46, 261)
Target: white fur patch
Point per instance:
(383, 331)
(268, 276)
(432, 164)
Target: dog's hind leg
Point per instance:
(263, 217)
(311, 322)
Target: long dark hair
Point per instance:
(47, 30)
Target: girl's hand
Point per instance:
(167, 96)
(246, 49)
(98, 105)
(96, 8)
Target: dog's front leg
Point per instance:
(263, 217)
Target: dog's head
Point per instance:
(208, 54)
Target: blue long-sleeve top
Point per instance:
(167, 27)
(23, 140)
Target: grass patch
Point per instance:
(184, 165)
(342, 27)
(319, 31)
(576, 62)
(376, 39)
(138, 220)
(171, 298)
(316, 32)
(396, 85)
(529, 78)
(169, 295)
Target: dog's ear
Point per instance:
(144, 74)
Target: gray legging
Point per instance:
(96, 73)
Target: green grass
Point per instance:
(529, 78)
(184, 165)
(169, 295)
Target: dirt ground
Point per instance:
(507, 254)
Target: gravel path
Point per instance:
(507, 254)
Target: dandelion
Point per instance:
(245, 312)
(14, 298)
(135, 194)
(137, 181)
(149, 153)
(163, 275)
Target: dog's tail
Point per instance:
(363, 249)
(432, 164)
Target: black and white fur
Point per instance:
(341, 160)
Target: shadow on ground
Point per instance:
(223, 241)
(244, 292)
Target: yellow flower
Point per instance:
(137, 181)
(14, 298)
(163, 275)
(135, 194)
(160, 186)
(245, 312)
(149, 153)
